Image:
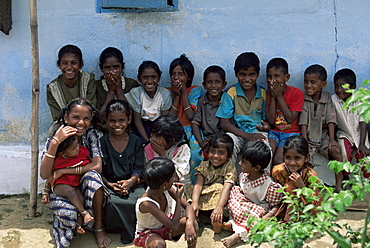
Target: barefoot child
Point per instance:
(214, 179)
(70, 155)
(155, 223)
(294, 172)
(256, 194)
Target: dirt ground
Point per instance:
(17, 230)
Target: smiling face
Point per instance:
(218, 156)
(294, 160)
(178, 74)
(118, 122)
(313, 85)
(72, 150)
(246, 166)
(160, 140)
(214, 84)
(340, 91)
(149, 79)
(112, 65)
(278, 75)
(247, 78)
(70, 66)
(80, 117)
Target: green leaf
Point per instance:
(308, 208)
(342, 241)
(339, 204)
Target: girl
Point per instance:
(294, 172)
(184, 103)
(150, 100)
(166, 141)
(77, 118)
(70, 155)
(256, 194)
(112, 85)
(72, 83)
(214, 179)
(123, 163)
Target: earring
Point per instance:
(255, 170)
(59, 70)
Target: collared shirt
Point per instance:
(246, 113)
(205, 116)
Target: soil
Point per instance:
(17, 230)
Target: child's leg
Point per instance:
(335, 152)
(155, 241)
(233, 239)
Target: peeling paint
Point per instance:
(25, 64)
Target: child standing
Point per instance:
(284, 103)
(155, 223)
(351, 133)
(123, 163)
(70, 155)
(294, 172)
(150, 100)
(244, 104)
(318, 118)
(214, 179)
(256, 194)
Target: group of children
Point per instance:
(195, 140)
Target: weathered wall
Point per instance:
(331, 33)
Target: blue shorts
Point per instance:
(280, 137)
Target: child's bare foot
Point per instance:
(79, 229)
(227, 226)
(87, 217)
(101, 238)
(216, 227)
(231, 240)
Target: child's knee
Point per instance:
(157, 243)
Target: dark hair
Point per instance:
(111, 52)
(279, 64)
(186, 66)
(245, 61)
(317, 69)
(70, 49)
(257, 153)
(168, 127)
(158, 171)
(347, 75)
(214, 69)
(66, 143)
(148, 64)
(222, 139)
(79, 101)
(118, 105)
(297, 143)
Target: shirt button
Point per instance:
(120, 156)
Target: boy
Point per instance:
(318, 118)
(351, 132)
(284, 103)
(155, 223)
(244, 104)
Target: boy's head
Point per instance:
(256, 153)
(159, 171)
(277, 70)
(314, 80)
(214, 80)
(247, 69)
(69, 147)
(342, 77)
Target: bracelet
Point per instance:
(55, 138)
(45, 193)
(174, 107)
(46, 189)
(49, 155)
(78, 170)
(188, 107)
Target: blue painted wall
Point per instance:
(333, 33)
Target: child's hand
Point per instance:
(297, 179)
(54, 176)
(265, 127)
(64, 132)
(275, 88)
(176, 86)
(111, 80)
(196, 208)
(254, 136)
(217, 214)
(158, 147)
(363, 149)
(45, 199)
(179, 190)
(190, 234)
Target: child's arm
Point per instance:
(199, 180)
(361, 147)
(271, 112)
(196, 132)
(139, 125)
(271, 213)
(227, 126)
(304, 131)
(125, 185)
(46, 194)
(332, 142)
(218, 212)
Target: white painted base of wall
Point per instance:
(15, 170)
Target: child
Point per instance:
(205, 123)
(150, 100)
(318, 118)
(70, 155)
(112, 85)
(155, 223)
(184, 102)
(284, 103)
(256, 194)
(214, 179)
(294, 172)
(244, 104)
(166, 141)
(351, 133)
(123, 163)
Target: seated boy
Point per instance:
(351, 129)
(284, 103)
(242, 111)
(318, 118)
(155, 223)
